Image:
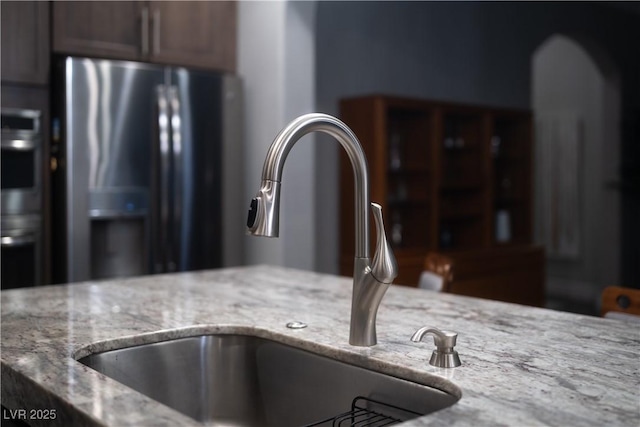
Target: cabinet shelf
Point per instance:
(408, 203)
(408, 171)
(460, 186)
(508, 201)
(457, 167)
(459, 151)
(509, 160)
(459, 216)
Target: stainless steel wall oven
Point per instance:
(21, 250)
(21, 198)
(21, 160)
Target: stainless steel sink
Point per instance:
(241, 380)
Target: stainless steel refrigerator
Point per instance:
(137, 159)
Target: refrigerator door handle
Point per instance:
(162, 235)
(178, 176)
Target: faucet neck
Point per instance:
(277, 154)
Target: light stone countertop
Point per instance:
(522, 366)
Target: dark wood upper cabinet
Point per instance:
(104, 29)
(25, 42)
(198, 34)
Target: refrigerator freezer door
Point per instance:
(110, 122)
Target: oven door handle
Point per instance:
(18, 144)
(16, 241)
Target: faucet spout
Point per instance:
(266, 219)
(370, 281)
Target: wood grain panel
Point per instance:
(198, 34)
(25, 42)
(110, 29)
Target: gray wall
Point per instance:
(472, 52)
(276, 63)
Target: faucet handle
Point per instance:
(444, 356)
(384, 267)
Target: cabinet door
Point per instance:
(199, 34)
(25, 42)
(108, 29)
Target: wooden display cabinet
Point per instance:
(462, 178)
(442, 172)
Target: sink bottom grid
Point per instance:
(368, 413)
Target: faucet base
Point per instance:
(367, 294)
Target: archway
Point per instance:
(576, 103)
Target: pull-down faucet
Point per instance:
(370, 279)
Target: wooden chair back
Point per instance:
(441, 265)
(514, 274)
(619, 299)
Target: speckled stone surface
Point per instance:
(521, 366)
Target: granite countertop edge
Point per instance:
(522, 366)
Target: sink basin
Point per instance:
(243, 380)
